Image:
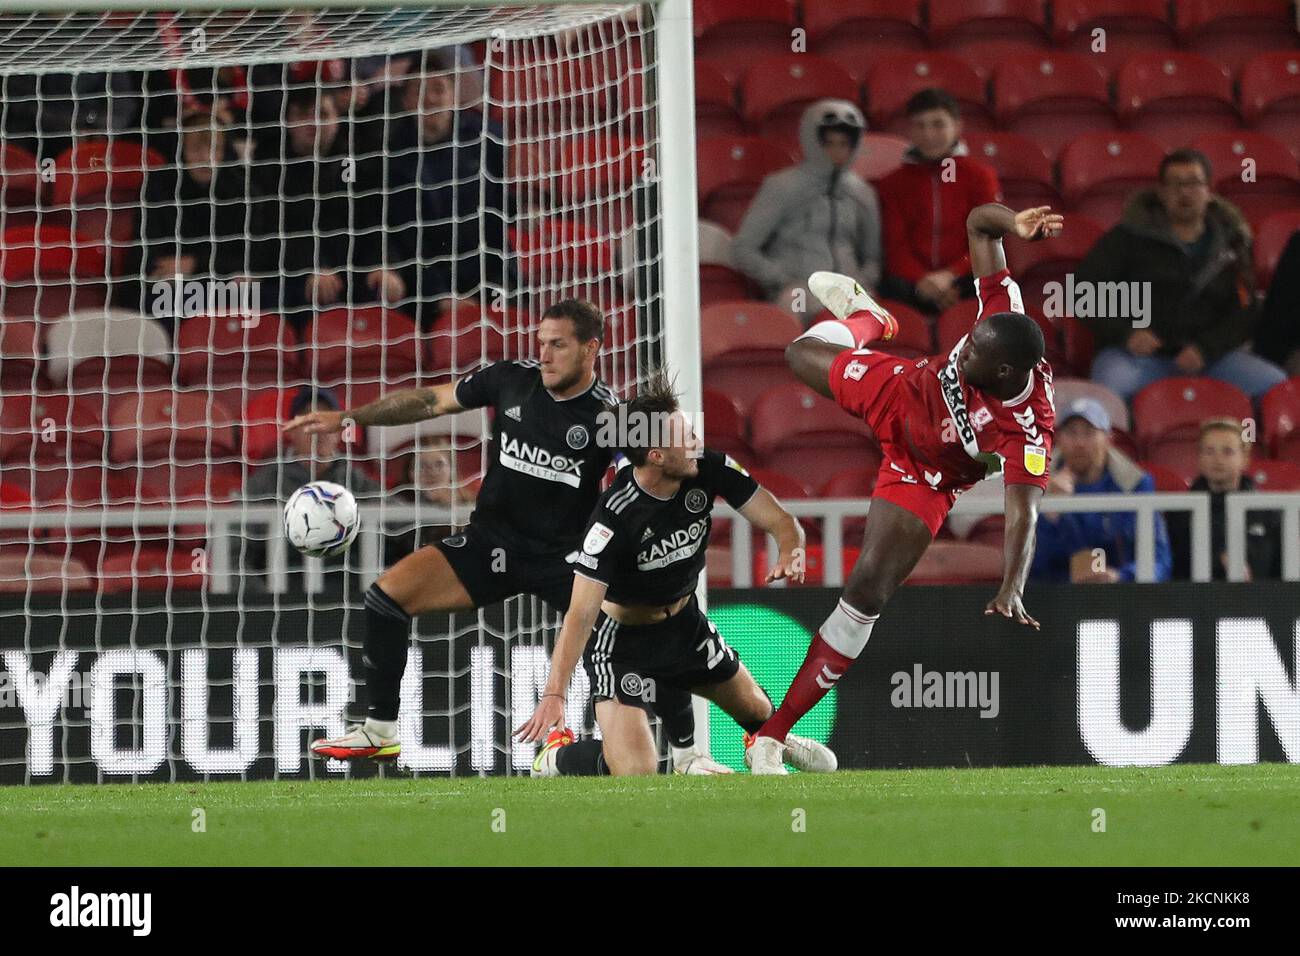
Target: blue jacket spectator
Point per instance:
(1088, 464)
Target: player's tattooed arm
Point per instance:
(1022, 517)
(408, 406)
(584, 607)
(987, 224)
(764, 512)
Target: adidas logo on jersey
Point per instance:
(513, 412)
(647, 534)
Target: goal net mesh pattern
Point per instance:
(208, 220)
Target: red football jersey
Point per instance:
(934, 428)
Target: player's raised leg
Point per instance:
(893, 543)
(422, 581)
(859, 320)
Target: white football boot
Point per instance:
(360, 742)
(844, 296)
(809, 755)
(690, 762)
(765, 757)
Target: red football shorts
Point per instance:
(871, 392)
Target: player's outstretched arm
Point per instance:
(763, 511)
(1022, 517)
(987, 224)
(584, 606)
(400, 408)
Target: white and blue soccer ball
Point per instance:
(321, 519)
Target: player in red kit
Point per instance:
(943, 423)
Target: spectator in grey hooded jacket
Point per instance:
(817, 215)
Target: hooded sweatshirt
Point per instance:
(1205, 300)
(811, 217)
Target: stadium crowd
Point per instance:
(384, 182)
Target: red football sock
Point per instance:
(821, 668)
(868, 327)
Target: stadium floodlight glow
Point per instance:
(591, 104)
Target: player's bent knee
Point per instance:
(630, 764)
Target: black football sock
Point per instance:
(678, 718)
(583, 758)
(751, 726)
(388, 637)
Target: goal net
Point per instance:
(210, 220)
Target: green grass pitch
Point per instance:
(1178, 815)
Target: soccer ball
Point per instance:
(321, 519)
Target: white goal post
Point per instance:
(209, 215)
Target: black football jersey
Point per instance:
(544, 474)
(649, 550)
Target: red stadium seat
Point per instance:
(956, 322)
(719, 283)
(15, 501)
(1037, 265)
(1068, 389)
(743, 347)
(98, 188)
(725, 427)
(892, 80)
(234, 356)
(740, 333)
(715, 103)
(987, 29)
(1274, 475)
(731, 34)
(20, 354)
(731, 170)
(163, 441)
(598, 167)
(989, 530)
(1080, 346)
(20, 184)
(556, 247)
(150, 568)
(470, 347)
(1130, 26)
(1024, 169)
(1274, 175)
(856, 33)
(1270, 96)
(776, 90)
(363, 352)
(1230, 34)
(1168, 415)
(1279, 411)
(782, 484)
(1100, 170)
(1174, 97)
(879, 155)
(46, 441)
(1166, 479)
(1051, 97)
(958, 562)
(717, 564)
(797, 431)
(857, 482)
(41, 573)
(48, 272)
(1271, 237)
(260, 424)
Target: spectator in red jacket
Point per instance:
(924, 204)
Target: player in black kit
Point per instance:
(534, 502)
(633, 616)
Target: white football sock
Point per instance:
(383, 728)
(833, 331)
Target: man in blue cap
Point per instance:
(1092, 547)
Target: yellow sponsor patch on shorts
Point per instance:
(1035, 459)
